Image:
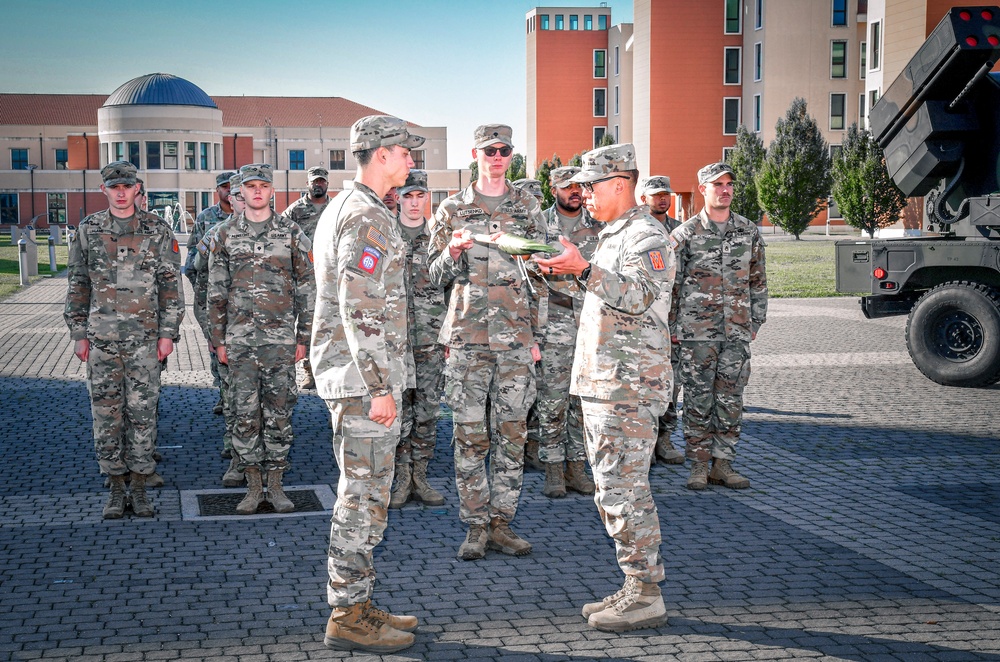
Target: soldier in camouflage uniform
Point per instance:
(233, 477)
(491, 331)
(260, 302)
(720, 305)
(209, 218)
(532, 186)
(622, 374)
(124, 307)
(362, 363)
(305, 212)
(426, 307)
(655, 193)
(560, 422)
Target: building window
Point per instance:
(732, 62)
(835, 152)
(730, 115)
(837, 103)
(758, 61)
(206, 200)
(418, 158)
(133, 153)
(574, 22)
(840, 12)
(152, 155)
(873, 99)
(756, 113)
(559, 22)
(8, 208)
(56, 207)
(62, 159)
(18, 159)
(437, 197)
(602, 22)
(600, 102)
(588, 22)
(727, 153)
(189, 152)
(296, 159)
(758, 14)
(545, 21)
(203, 156)
(864, 59)
(616, 134)
(875, 39)
(733, 16)
(170, 156)
(617, 106)
(599, 132)
(861, 111)
(838, 59)
(600, 64)
(117, 152)
(617, 62)
(338, 159)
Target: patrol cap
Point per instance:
(119, 172)
(560, 177)
(713, 171)
(316, 172)
(142, 185)
(605, 161)
(532, 186)
(256, 171)
(415, 181)
(657, 184)
(382, 131)
(224, 178)
(490, 134)
(234, 182)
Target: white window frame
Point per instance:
(758, 61)
(846, 60)
(757, 112)
(594, 62)
(617, 102)
(758, 16)
(739, 64)
(739, 114)
(863, 60)
(739, 17)
(875, 43)
(604, 131)
(862, 115)
(847, 14)
(594, 98)
(843, 116)
(726, 153)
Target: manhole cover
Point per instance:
(213, 505)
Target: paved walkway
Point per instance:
(871, 532)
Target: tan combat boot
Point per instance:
(137, 490)
(233, 476)
(724, 474)
(640, 606)
(308, 381)
(154, 480)
(474, 546)
(577, 478)
(594, 607)
(555, 482)
(356, 628)
(665, 451)
(503, 539)
(276, 494)
(115, 507)
(698, 480)
(401, 622)
(255, 492)
(422, 490)
(403, 487)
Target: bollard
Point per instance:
(52, 254)
(22, 260)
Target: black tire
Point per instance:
(953, 334)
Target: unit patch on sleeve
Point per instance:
(656, 259)
(377, 238)
(369, 259)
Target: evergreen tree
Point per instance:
(867, 197)
(517, 170)
(606, 140)
(794, 180)
(542, 174)
(745, 160)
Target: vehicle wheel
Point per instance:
(953, 334)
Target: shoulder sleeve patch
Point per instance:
(656, 260)
(369, 259)
(377, 238)
(175, 247)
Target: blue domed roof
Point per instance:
(159, 90)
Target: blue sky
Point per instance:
(456, 64)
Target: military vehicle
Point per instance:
(939, 125)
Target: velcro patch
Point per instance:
(310, 257)
(656, 259)
(175, 247)
(377, 238)
(462, 213)
(369, 260)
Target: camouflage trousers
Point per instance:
(364, 451)
(620, 441)
(667, 423)
(560, 422)
(714, 376)
(228, 406)
(489, 394)
(262, 380)
(216, 369)
(421, 406)
(123, 379)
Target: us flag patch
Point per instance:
(656, 259)
(369, 260)
(376, 238)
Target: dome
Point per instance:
(159, 90)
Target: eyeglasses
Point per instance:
(589, 186)
(492, 151)
(238, 196)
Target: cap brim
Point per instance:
(406, 189)
(651, 191)
(121, 180)
(494, 141)
(724, 172)
(412, 141)
(585, 176)
(255, 178)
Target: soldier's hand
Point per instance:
(568, 262)
(164, 346)
(383, 410)
(82, 349)
(536, 353)
(461, 241)
(220, 352)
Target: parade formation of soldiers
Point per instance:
(586, 318)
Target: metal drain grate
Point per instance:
(215, 505)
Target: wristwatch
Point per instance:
(585, 274)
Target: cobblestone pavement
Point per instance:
(871, 531)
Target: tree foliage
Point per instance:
(867, 197)
(745, 160)
(542, 173)
(606, 140)
(794, 179)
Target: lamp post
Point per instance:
(31, 171)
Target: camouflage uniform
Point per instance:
(208, 218)
(260, 301)
(360, 352)
(305, 213)
(489, 329)
(721, 302)
(123, 296)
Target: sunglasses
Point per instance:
(589, 186)
(492, 151)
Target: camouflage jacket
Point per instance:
(426, 305)
(489, 303)
(124, 286)
(359, 343)
(623, 347)
(260, 286)
(721, 280)
(208, 218)
(200, 268)
(305, 214)
(566, 295)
